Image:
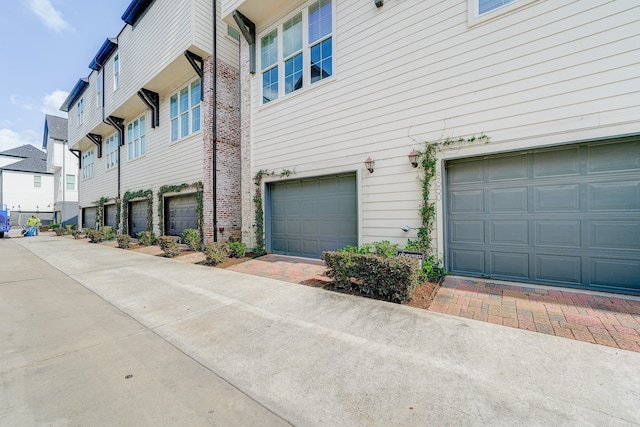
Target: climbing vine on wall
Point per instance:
(100, 211)
(128, 196)
(260, 248)
(428, 160)
(177, 189)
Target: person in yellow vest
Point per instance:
(34, 221)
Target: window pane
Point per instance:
(195, 118)
(319, 20)
(269, 49)
(143, 145)
(136, 130)
(173, 109)
(142, 125)
(293, 73)
(270, 85)
(195, 93)
(321, 60)
(184, 99)
(485, 6)
(174, 129)
(292, 35)
(131, 150)
(184, 125)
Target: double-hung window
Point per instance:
(71, 182)
(37, 181)
(116, 71)
(136, 136)
(99, 90)
(80, 108)
(298, 52)
(486, 6)
(111, 149)
(87, 164)
(184, 111)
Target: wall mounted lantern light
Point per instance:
(413, 158)
(406, 228)
(369, 164)
(379, 3)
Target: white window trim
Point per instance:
(190, 110)
(85, 173)
(116, 75)
(130, 142)
(306, 53)
(99, 89)
(111, 157)
(66, 182)
(80, 111)
(473, 18)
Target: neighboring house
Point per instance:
(553, 198)
(25, 185)
(64, 166)
(153, 156)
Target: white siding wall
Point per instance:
(547, 73)
(18, 189)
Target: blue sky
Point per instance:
(46, 46)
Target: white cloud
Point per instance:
(52, 102)
(11, 139)
(49, 16)
(15, 100)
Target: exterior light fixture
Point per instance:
(379, 3)
(407, 228)
(369, 163)
(413, 158)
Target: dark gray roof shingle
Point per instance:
(28, 159)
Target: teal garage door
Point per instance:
(308, 216)
(565, 216)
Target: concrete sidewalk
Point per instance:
(313, 357)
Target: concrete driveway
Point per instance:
(206, 346)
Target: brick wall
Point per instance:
(228, 166)
(248, 187)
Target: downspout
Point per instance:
(214, 121)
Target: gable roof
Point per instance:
(29, 159)
(54, 127)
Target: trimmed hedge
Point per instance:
(216, 253)
(124, 241)
(191, 238)
(170, 245)
(95, 236)
(386, 278)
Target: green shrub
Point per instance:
(147, 238)
(109, 234)
(71, 227)
(95, 236)
(216, 253)
(77, 234)
(237, 249)
(386, 278)
(124, 241)
(382, 248)
(54, 226)
(191, 238)
(433, 269)
(60, 231)
(170, 245)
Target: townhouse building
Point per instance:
(156, 124)
(336, 94)
(63, 164)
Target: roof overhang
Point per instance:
(75, 94)
(135, 11)
(103, 54)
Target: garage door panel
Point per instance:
(613, 157)
(137, 217)
(557, 198)
(510, 232)
(510, 264)
(181, 213)
(581, 226)
(614, 196)
(509, 200)
(311, 215)
(468, 261)
(616, 272)
(467, 201)
(468, 231)
(615, 235)
(559, 268)
(508, 168)
(558, 233)
(556, 163)
(89, 218)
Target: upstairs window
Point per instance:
(87, 164)
(184, 111)
(486, 6)
(116, 72)
(136, 136)
(298, 52)
(111, 150)
(37, 181)
(71, 182)
(80, 108)
(99, 90)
